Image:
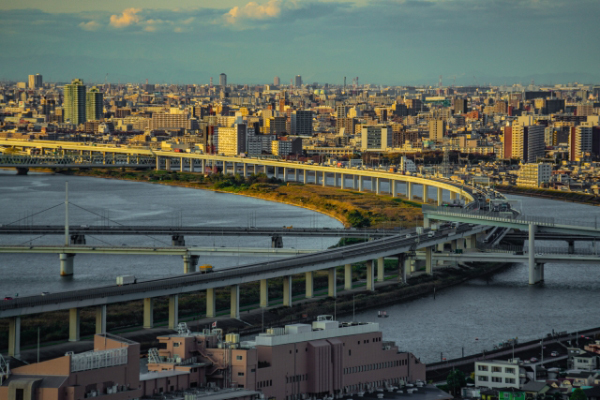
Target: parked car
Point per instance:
(554, 354)
(533, 359)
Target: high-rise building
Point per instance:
(376, 137)
(341, 111)
(580, 143)
(460, 106)
(298, 81)
(302, 123)
(35, 81)
(527, 142)
(74, 102)
(437, 129)
(223, 80)
(276, 81)
(232, 141)
(277, 125)
(94, 105)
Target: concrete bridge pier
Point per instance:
(276, 242)
(440, 196)
(380, 269)
(332, 282)
(74, 325)
(309, 288)
(377, 185)
(181, 168)
(14, 337)
(77, 239)
(471, 242)
(452, 196)
(167, 164)
(255, 169)
(235, 302)
(264, 293)
(425, 196)
(360, 183)
(66, 264)
(534, 269)
(304, 178)
(285, 174)
(211, 303)
(178, 240)
(148, 313)
(371, 275)
(101, 319)
(287, 291)
(173, 311)
(324, 178)
(157, 165)
(189, 263)
(348, 277)
(571, 244)
(244, 170)
(394, 188)
(409, 190)
(203, 165)
(296, 175)
(22, 170)
(401, 269)
(343, 181)
(428, 262)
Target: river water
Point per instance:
(470, 318)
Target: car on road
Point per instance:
(554, 354)
(45, 293)
(533, 359)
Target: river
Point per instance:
(471, 317)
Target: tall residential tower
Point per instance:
(74, 102)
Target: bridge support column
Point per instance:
(173, 311)
(332, 282)
(534, 268)
(77, 239)
(440, 197)
(425, 195)
(157, 165)
(211, 303)
(471, 242)
(380, 269)
(285, 174)
(453, 245)
(441, 246)
(571, 246)
(452, 196)
(101, 319)
(460, 244)
(276, 242)
(235, 302)
(245, 169)
(287, 291)
(309, 288)
(66, 264)
(370, 275)
(74, 324)
(428, 262)
(148, 313)
(167, 164)
(203, 165)
(360, 183)
(324, 178)
(178, 240)
(401, 268)
(14, 337)
(409, 190)
(264, 293)
(304, 177)
(426, 223)
(348, 277)
(181, 164)
(377, 185)
(343, 181)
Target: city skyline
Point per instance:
(381, 42)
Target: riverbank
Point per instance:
(353, 209)
(573, 197)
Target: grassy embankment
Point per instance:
(575, 197)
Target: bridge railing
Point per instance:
(543, 250)
(17, 159)
(501, 248)
(489, 215)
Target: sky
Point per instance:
(386, 42)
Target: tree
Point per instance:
(456, 380)
(578, 394)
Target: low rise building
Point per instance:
(497, 374)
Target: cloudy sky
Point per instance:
(380, 41)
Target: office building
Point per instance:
(277, 125)
(35, 81)
(585, 109)
(341, 111)
(460, 106)
(174, 119)
(276, 81)
(580, 143)
(232, 140)
(74, 102)
(534, 175)
(347, 124)
(222, 80)
(302, 123)
(298, 81)
(497, 374)
(527, 142)
(94, 105)
(437, 129)
(376, 137)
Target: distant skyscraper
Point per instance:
(298, 82)
(223, 80)
(94, 107)
(276, 81)
(74, 102)
(35, 81)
